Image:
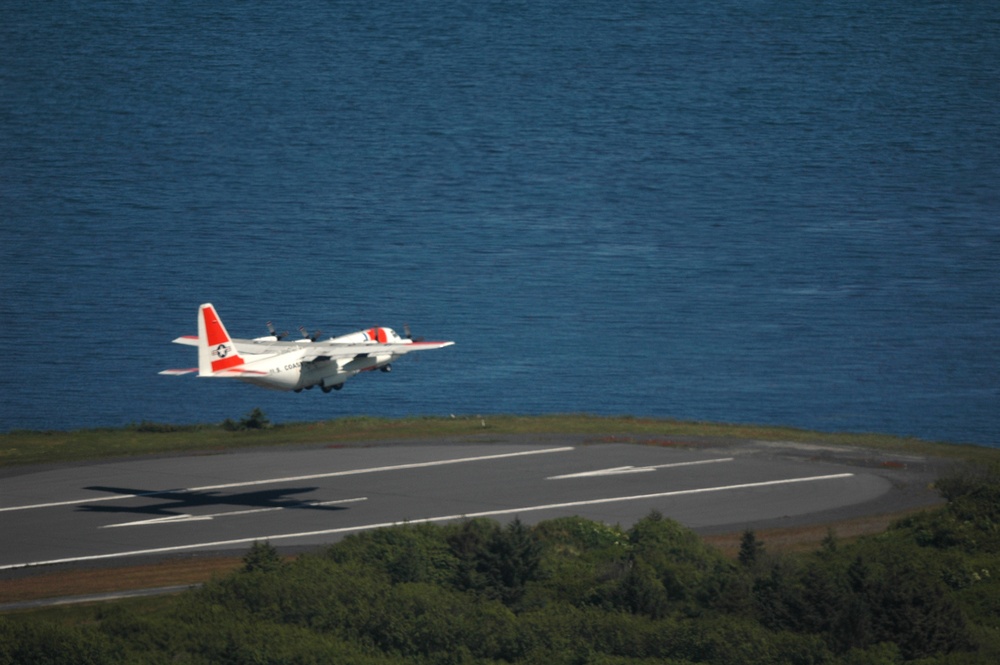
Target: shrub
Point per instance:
(253, 420)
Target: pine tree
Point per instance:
(750, 549)
(262, 557)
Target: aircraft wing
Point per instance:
(317, 351)
(320, 351)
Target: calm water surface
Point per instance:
(768, 212)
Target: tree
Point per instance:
(262, 557)
(750, 549)
(640, 592)
(511, 560)
(829, 543)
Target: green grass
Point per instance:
(30, 447)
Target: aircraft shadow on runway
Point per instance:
(180, 502)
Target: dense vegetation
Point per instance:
(570, 591)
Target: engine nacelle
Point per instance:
(383, 335)
(376, 335)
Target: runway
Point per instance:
(302, 497)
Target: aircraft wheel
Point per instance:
(386, 368)
(327, 389)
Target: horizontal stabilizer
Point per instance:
(189, 340)
(235, 372)
(179, 372)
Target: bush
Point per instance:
(253, 420)
(407, 553)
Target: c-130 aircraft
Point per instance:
(271, 362)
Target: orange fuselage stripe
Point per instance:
(226, 363)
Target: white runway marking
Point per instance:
(620, 470)
(178, 519)
(442, 518)
(290, 479)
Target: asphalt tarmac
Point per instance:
(121, 511)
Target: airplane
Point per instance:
(297, 365)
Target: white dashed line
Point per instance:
(621, 470)
(180, 519)
(442, 518)
(290, 479)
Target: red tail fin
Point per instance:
(215, 348)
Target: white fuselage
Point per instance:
(281, 365)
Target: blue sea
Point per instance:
(745, 211)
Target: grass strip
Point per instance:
(52, 447)
(109, 579)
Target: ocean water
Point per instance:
(742, 211)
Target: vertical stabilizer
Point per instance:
(215, 348)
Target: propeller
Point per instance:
(313, 337)
(409, 335)
(274, 333)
